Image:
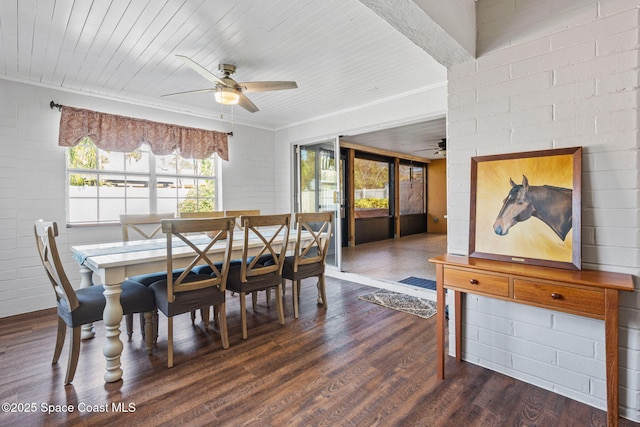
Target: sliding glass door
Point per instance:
(317, 186)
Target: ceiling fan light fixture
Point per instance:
(227, 96)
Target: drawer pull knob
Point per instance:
(473, 281)
(556, 296)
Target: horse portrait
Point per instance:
(552, 205)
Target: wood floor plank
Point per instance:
(354, 364)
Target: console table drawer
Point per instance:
(477, 282)
(558, 297)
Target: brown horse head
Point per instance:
(552, 205)
(516, 207)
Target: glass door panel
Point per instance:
(318, 186)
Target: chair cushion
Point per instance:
(148, 279)
(304, 271)
(255, 283)
(186, 301)
(205, 269)
(135, 298)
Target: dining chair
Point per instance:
(265, 239)
(77, 307)
(202, 215)
(309, 255)
(204, 312)
(238, 213)
(142, 227)
(188, 291)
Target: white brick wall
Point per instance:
(553, 74)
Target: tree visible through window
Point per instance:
(371, 188)
(102, 184)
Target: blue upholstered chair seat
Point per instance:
(186, 301)
(254, 283)
(148, 279)
(304, 270)
(205, 269)
(135, 298)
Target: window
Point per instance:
(412, 187)
(102, 184)
(371, 188)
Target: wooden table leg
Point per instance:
(440, 319)
(113, 346)
(87, 331)
(611, 354)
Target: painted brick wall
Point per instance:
(554, 74)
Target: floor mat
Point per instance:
(401, 302)
(420, 282)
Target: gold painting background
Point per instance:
(531, 238)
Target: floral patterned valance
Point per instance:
(126, 134)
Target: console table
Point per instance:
(587, 293)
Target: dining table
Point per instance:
(113, 262)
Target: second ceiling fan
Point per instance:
(227, 90)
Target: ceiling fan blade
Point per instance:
(266, 86)
(201, 70)
(246, 103)
(190, 91)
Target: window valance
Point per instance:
(126, 134)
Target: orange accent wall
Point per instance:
(437, 196)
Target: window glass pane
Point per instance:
(371, 188)
(83, 210)
(206, 167)
(186, 166)
(166, 164)
(138, 161)
(83, 156)
(307, 180)
(110, 209)
(412, 187)
(137, 206)
(167, 205)
(112, 161)
(112, 186)
(83, 185)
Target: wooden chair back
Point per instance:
(137, 223)
(272, 232)
(188, 230)
(310, 251)
(238, 213)
(203, 215)
(45, 234)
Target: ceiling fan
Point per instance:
(440, 148)
(227, 90)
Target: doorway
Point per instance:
(317, 187)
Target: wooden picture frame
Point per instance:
(526, 207)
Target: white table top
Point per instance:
(115, 261)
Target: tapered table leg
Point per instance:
(87, 331)
(112, 318)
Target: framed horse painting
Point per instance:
(525, 207)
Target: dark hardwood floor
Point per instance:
(355, 364)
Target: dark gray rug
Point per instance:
(406, 303)
(420, 282)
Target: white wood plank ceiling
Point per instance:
(341, 54)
